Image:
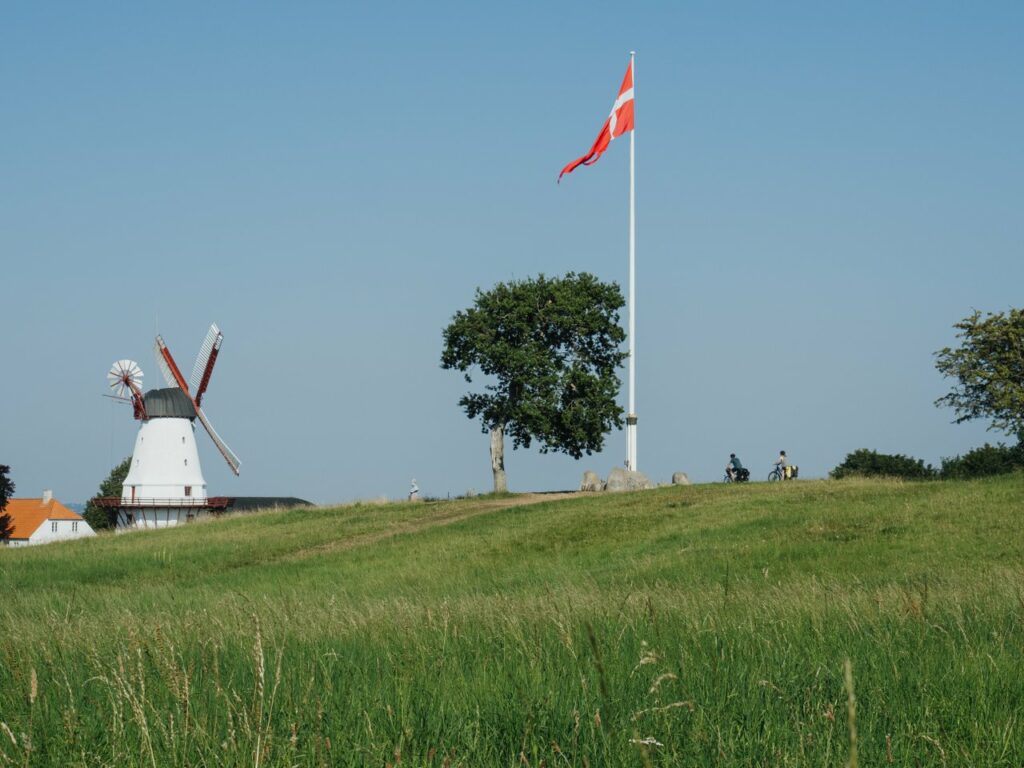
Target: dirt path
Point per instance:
(432, 519)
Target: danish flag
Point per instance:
(619, 122)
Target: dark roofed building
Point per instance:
(252, 503)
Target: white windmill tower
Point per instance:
(165, 482)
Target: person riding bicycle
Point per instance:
(732, 469)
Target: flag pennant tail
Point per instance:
(620, 121)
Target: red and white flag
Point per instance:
(619, 122)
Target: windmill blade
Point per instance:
(161, 363)
(167, 366)
(227, 453)
(205, 360)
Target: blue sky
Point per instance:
(823, 190)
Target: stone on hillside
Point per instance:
(680, 478)
(591, 482)
(620, 479)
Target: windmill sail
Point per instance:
(200, 379)
(165, 369)
(227, 453)
(167, 366)
(205, 361)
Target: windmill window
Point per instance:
(186, 462)
(188, 490)
(53, 526)
(74, 527)
(182, 439)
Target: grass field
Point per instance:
(702, 625)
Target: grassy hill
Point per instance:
(703, 625)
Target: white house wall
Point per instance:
(65, 529)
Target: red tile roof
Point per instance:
(28, 514)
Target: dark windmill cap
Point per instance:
(169, 403)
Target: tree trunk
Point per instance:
(498, 458)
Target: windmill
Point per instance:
(165, 478)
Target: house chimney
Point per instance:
(47, 497)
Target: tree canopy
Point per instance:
(100, 517)
(6, 491)
(988, 367)
(550, 347)
(866, 463)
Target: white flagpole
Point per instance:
(631, 416)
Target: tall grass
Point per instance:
(825, 623)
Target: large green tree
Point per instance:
(100, 517)
(6, 491)
(550, 348)
(988, 368)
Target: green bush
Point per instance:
(865, 463)
(986, 460)
(99, 517)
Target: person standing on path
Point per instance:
(782, 462)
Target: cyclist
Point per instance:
(733, 467)
(781, 463)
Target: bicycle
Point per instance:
(775, 474)
(742, 475)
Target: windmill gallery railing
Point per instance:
(214, 503)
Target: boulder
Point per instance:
(624, 480)
(591, 482)
(680, 478)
